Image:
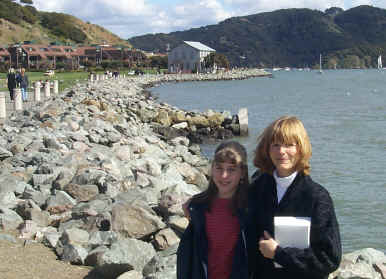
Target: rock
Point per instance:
(165, 238)
(163, 265)
(42, 218)
(215, 120)
(182, 125)
(361, 264)
(178, 117)
(198, 121)
(9, 219)
(4, 154)
(51, 239)
(74, 236)
(380, 267)
(100, 238)
(134, 221)
(124, 255)
(60, 198)
(82, 192)
(93, 255)
(178, 223)
(163, 118)
(74, 254)
(172, 198)
(132, 274)
(8, 199)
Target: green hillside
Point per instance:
(22, 22)
(289, 37)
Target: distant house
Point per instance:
(48, 56)
(188, 57)
(37, 55)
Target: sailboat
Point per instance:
(379, 62)
(320, 64)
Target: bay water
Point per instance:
(344, 112)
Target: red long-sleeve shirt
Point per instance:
(222, 230)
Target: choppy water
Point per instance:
(344, 113)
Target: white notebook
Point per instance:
(292, 232)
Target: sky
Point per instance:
(129, 18)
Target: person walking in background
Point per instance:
(213, 245)
(284, 188)
(11, 82)
(22, 80)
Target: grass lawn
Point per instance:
(66, 80)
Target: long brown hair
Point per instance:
(235, 153)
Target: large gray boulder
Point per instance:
(367, 263)
(134, 221)
(124, 255)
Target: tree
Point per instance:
(26, 2)
(351, 62)
(216, 58)
(159, 62)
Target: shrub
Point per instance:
(61, 25)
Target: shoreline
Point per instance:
(86, 174)
(237, 74)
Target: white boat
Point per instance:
(320, 64)
(379, 62)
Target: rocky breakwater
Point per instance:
(236, 74)
(87, 176)
(198, 127)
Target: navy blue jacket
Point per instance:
(22, 81)
(192, 253)
(303, 198)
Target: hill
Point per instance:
(20, 22)
(289, 37)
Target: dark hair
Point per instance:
(234, 152)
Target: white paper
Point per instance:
(292, 232)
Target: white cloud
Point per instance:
(245, 7)
(128, 18)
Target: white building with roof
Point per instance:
(188, 57)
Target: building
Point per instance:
(36, 56)
(39, 56)
(188, 57)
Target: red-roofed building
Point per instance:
(50, 56)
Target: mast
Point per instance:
(380, 62)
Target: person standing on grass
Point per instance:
(22, 80)
(11, 82)
(213, 245)
(284, 188)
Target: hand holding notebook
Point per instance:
(292, 232)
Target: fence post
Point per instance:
(3, 110)
(37, 91)
(56, 87)
(18, 99)
(47, 89)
